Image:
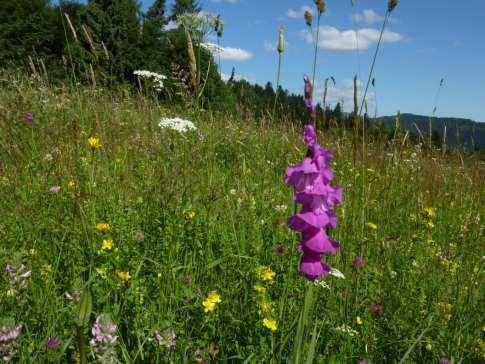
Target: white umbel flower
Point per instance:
(178, 124)
(155, 77)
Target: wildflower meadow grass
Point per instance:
(139, 243)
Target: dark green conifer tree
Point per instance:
(181, 7)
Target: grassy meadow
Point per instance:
(196, 227)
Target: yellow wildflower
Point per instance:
(359, 320)
(371, 225)
(124, 276)
(429, 224)
(270, 324)
(103, 227)
(190, 215)
(71, 185)
(429, 212)
(260, 289)
(211, 301)
(264, 273)
(264, 306)
(94, 143)
(107, 244)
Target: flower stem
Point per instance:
(315, 68)
(81, 345)
(371, 72)
(277, 84)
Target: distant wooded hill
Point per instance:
(465, 132)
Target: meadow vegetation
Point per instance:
(145, 216)
(192, 214)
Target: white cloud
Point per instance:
(229, 53)
(368, 16)
(269, 46)
(345, 40)
(171, 25)
(295, 14)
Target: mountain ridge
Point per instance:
(459, 131)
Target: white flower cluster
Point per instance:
(177, 124)
(346, 329)
(321, 283)
(280, 208)
(157, 78)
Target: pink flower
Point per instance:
(359, 262)
(375, 309)
(53, 343)
(55, 189)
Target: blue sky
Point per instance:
(427, 40)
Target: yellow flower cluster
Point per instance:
(106, 245)
(211, 301)
(190, 215)
(264, 273)
(124, 276)
(359, 320)
(427, 215)
(103, 227)
(265, 306)
(270, 324)
(94, 143)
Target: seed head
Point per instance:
(391, 5)
(320, 5)
(308, 18)
(218, 26)
(281, 40)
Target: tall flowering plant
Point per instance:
(311, 180)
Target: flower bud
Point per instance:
(85, 308)
(281, 40)
(308, 18)
(391, 5)
(320, 5)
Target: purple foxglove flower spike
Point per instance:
(311, 181)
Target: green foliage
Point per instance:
(29, 28)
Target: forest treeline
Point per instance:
(105, 41)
